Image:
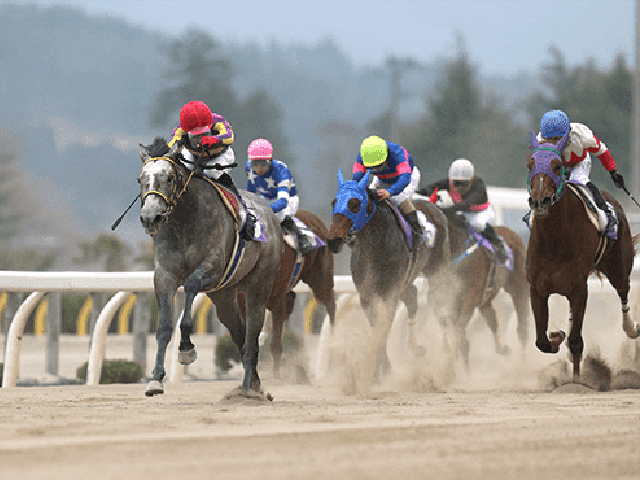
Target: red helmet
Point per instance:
(195, 117)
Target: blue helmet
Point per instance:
(554, 123)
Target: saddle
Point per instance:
(236, 209)
(597, 216)
(290, 239)
(428, 228)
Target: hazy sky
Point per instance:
(502, 36)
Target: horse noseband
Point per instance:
(334, 244)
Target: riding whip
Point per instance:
(117, 222)
(629, 193)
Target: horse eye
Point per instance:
(138, 179)
(333, 203)
(170, 179)
(354, 205)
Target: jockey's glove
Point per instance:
(618, 181)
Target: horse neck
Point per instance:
(198, 203)
(559, 221)
(380, 226)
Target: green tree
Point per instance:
(15, 214)
(108, 248)
(199, 71)
(598, 98)
(462, 121)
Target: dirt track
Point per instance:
(428, 419)
(114, 432)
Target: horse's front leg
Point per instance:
(578, 304)
(187, 350)
(540, 307)
(163, 336)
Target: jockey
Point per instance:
(469, 196)
(575, 156)
(206, 140)
(395, 177)
(272, 179)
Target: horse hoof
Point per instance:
(187, 357)
(634, 332)
(154, 387)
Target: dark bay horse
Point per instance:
(565, 247)
(196, 244)
(314, 268)
(383, 267)
(478, 280)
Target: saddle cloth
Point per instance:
(290, 239)
(480, 240)
(238, 211)
(428, 228)
(597, 216)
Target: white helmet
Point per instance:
(461, 169)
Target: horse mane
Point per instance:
(158, 148)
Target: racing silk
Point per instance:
(277, 185)
(474, 200)
(397, 171)
(220, 130)
(581, 143)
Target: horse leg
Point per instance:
(410, 298)
(278, 317)
(163, 336)
(187, 351)
(489, 314)
(621, 284)
(540, 307)
(578, 305)
(255, 308)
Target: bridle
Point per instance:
(175, 195)
(542, 165)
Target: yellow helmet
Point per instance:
(373, 151)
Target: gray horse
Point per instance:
(196, 244)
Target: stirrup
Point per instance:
(248, 231)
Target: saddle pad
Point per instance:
(597, 216)
(234, 206)
(428, 228)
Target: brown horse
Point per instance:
(565, 247)
(478, 279)
(316, 271)
(314, 268)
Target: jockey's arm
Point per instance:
(225, 133)
(284, 183)
(429, 189)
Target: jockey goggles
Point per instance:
(260, 163)
(196, 136)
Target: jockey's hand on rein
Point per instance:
(382, 194)
(617, 179)
(209, 142)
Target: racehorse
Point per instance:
(383, 267)
(314, 268)
(478, 280)
(194, 226)
(565, 247)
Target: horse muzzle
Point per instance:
(151, 222)
(335, 244)
(540, 205)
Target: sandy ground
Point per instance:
(429, 418)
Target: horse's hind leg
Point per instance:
(410, 298)
(279, 317)
(622, 286)
(489, 314)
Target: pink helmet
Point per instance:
(260, 149)
(195, 117)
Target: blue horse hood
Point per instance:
(353, 189)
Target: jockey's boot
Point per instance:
(416, 229)
(490, 234)
(602, 204)
(249, 229)
(304, 245)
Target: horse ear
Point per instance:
(365, 180)
(143, 151)
(534, 140)
(340, 177)
(563, 142)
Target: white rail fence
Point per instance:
(121, 284)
